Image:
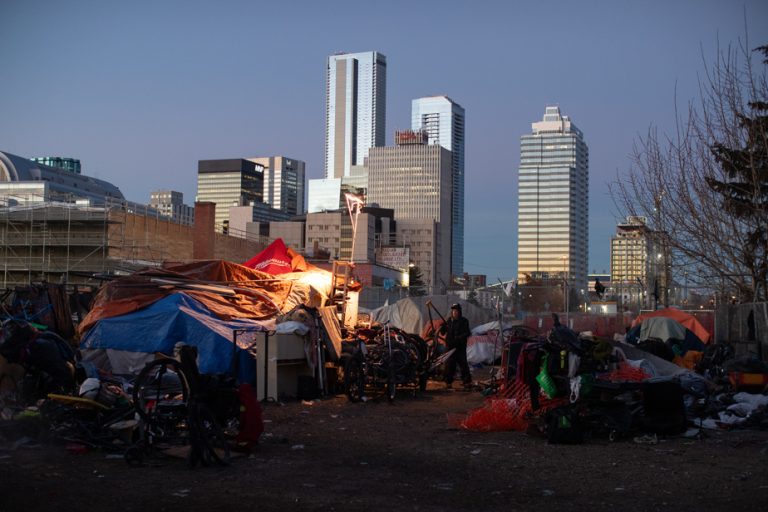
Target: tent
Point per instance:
(273, 260)
(199, 303)
(686, 320)
(665, 329)
(410, 314)
(127, 342)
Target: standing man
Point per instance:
(457, 331)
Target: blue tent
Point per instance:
(173, 319)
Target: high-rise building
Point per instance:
(230, 182)
(415, 180)
(170, 203)
(355, 109)
(638, 262)
(553, 201)
(284, 180)
(68, 164)
(443, 121)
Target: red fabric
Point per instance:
(273, 260)
(251, 421)
(681, 317)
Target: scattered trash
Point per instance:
(297, 447)
(548, 492)
(476, 452)
(181, 493)
(647, 439)
(307, 402)
(692, 433)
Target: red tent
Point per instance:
(272, 260)
(681, 317)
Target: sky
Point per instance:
(140, 91)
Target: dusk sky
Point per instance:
(140, 91)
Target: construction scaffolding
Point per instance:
(64, 242)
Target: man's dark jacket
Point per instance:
(456, 332)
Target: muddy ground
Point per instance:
(335, 455)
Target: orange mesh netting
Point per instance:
(626, 373)
(509, 410)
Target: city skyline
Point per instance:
(197, 85)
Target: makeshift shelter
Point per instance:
(410, 314)
(200, 303)
(666, 330)
(125, 343)
(686, 320)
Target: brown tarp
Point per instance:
(253, 294)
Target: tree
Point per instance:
(704, 190)
(472, 297)
(416, 285)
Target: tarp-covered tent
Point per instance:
(410, 314)
(227, 289)
(129, 341)
(686, 320)
(198, 303)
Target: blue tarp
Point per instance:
(173, 319)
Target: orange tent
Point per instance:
(681, 317)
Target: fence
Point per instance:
(745, 326)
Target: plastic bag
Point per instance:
(545, 379)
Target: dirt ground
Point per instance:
(336, 455)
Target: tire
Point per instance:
(161, 389)
(354, 380)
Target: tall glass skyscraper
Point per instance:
(443, 120)
(553, 209)
(355, 109)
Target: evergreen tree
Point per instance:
(745, 187)
(416, 285)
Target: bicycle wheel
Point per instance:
(354, 380)
(161, 391)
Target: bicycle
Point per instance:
(181, 407)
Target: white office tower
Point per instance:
(553, 209)
(355, 109)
